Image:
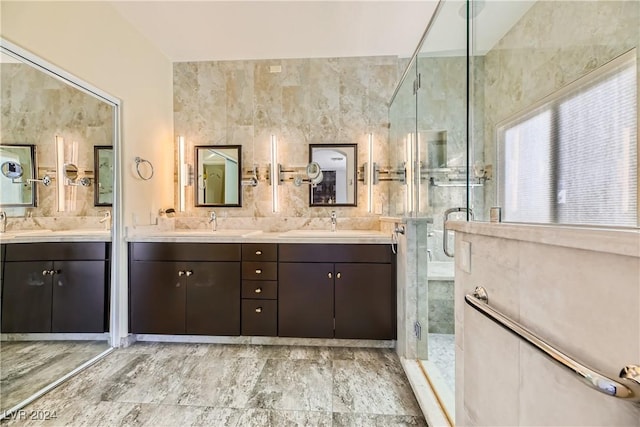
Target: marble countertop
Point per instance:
(40, 236)
(257, 236)
(608, 240)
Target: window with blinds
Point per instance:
(573, 158)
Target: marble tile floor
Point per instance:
(442, 354)
(235, 385)
(28, 366)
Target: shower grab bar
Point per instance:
(445, 234)
(628, 387)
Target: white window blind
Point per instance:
(573, 159)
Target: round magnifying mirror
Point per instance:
(70, 171)
(12, 170)
(314, 173)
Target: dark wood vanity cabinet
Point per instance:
(55, 287)
(336, 291)
(184, 288)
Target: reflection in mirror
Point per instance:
(218, 175)
(338, 167)
(37, 106)
(103, 170)
(17, 163)
(70, 171)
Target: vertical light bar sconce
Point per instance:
(409, 171)
(275, 175)
(60, 173)
(182, 175)
(369, 173)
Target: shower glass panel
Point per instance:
(441, 183)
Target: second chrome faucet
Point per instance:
(213, 220)
(334, 220)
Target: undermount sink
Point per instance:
(324, 234)
(209, 233)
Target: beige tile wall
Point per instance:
(334, 100)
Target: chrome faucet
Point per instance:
(430, 254)
(3, 221)
(213, 219)
(106, 219)
(334, 220)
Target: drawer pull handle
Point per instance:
(181, 273)
(259, 310)
(330, 275)
(339, 275)
(45, 272)
(189, 273)
(258, 252)
(258, 271)
(258, 290)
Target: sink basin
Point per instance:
(219, 233)
(327, 234)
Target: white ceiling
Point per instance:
(232, 30)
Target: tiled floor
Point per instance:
(28, 366)
(236, 385)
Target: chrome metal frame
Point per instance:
(627, 387)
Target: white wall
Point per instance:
(93, 42)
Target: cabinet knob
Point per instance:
(258, 271)
(45, 272)
(330, 275)
(259, 310)
(258, 290)
(258, 252)
(181, 273)
(339, 275)
(189, 273)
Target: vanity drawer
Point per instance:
(259, 317)
(355, 253)
(259, 270)
(259, 289)
(57, 251)
(259, 252)
(149, 251)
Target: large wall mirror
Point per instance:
(17, 171)
(49, 115)
(218, 175)
(338, 164)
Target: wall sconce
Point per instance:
(274, 175)
(182, 175)
(369, 173)
(409, 171)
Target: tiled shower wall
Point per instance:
(554, 44)
(35, 109)
(310, 101)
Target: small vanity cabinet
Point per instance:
(55, 287)
(260, 289)
(185, 288)
(336, 291)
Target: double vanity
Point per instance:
(300, 283)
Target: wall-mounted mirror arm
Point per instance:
(311, 174)
(250, 180)
(387, 173)
(46, 180)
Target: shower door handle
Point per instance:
(445, 233)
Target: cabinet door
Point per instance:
(157, 297)
(26, 297)
(78, 296)
(364, 301)
(213, 298)
(305, 300)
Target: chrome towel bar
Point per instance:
(627, 387)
